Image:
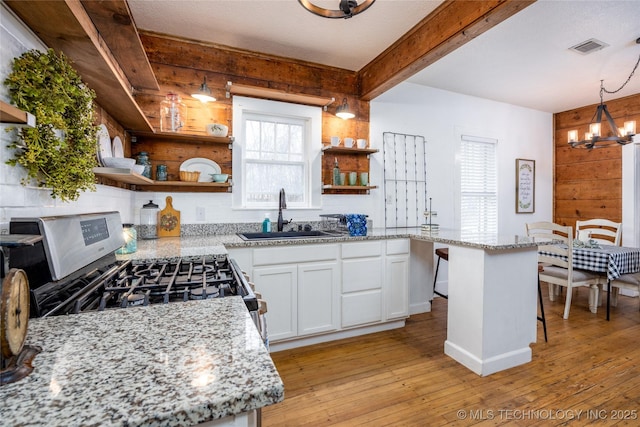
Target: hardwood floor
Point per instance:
(587, 374)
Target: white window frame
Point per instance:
(492, 145)
(244, 107)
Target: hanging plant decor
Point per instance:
(60, 151)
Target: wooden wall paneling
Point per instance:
(173, 154)
(586, 209)
(181, 64)
(588, 183)
(448, 27)
(588, 190)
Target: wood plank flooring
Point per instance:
(587, 374)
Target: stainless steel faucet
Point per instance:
(282, 205)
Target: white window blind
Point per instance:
(479, 185)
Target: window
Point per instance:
(478, 185)
(275, 158)
(277, 145)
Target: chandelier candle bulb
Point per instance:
(630, 127)
(594, 129)
(573, 135)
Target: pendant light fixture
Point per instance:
(204, 93)
(595, 137)
(346, 8)
(343, 110)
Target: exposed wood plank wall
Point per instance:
(588, 184)
(180, 66)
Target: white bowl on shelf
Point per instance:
(118, 162)
(217, 129)
(137, 169)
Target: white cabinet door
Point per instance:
(396, 286)
(359, 308)
(318, 297)
(278, 286)
(396, 281)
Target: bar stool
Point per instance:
(442, 253)
(541, 317)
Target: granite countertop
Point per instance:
(160, 365)
(476, 240)
(197, 246)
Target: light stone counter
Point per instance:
(491, 242)
(198, 246)
(161, 365)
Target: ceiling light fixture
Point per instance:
(347, 8)
(343, 110)
(204, 93)
(617, 136)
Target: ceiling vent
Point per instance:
(588, 46)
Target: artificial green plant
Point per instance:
(59, 153)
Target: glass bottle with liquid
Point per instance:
(336, 172)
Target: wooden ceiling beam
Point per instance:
(449, 26)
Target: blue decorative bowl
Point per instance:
(356, 224)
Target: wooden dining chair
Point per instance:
(603, 231)
(558, 267)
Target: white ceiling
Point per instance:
(522, 61)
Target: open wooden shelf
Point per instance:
(184, 137)
(349, 187)
(13, 115)
(143, 183)
(346, 150)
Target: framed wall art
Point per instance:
(525, 185)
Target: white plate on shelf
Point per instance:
(118, 151)
(205, 166)
(104, 143)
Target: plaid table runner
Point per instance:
(614, 260)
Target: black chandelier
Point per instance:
(617, 136)
(347, 8)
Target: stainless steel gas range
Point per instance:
(74, 269)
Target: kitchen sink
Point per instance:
(280, 235)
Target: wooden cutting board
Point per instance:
(169, 221)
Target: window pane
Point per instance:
(264, 181)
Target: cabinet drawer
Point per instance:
(361, 308)
(361, 249)
(294, 254)
(397, 247)
(361, 274)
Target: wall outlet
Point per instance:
(200, 213)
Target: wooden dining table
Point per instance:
(612, 260)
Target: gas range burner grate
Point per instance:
(123, 285)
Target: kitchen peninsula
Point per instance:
(492, 286)
(492, 299)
